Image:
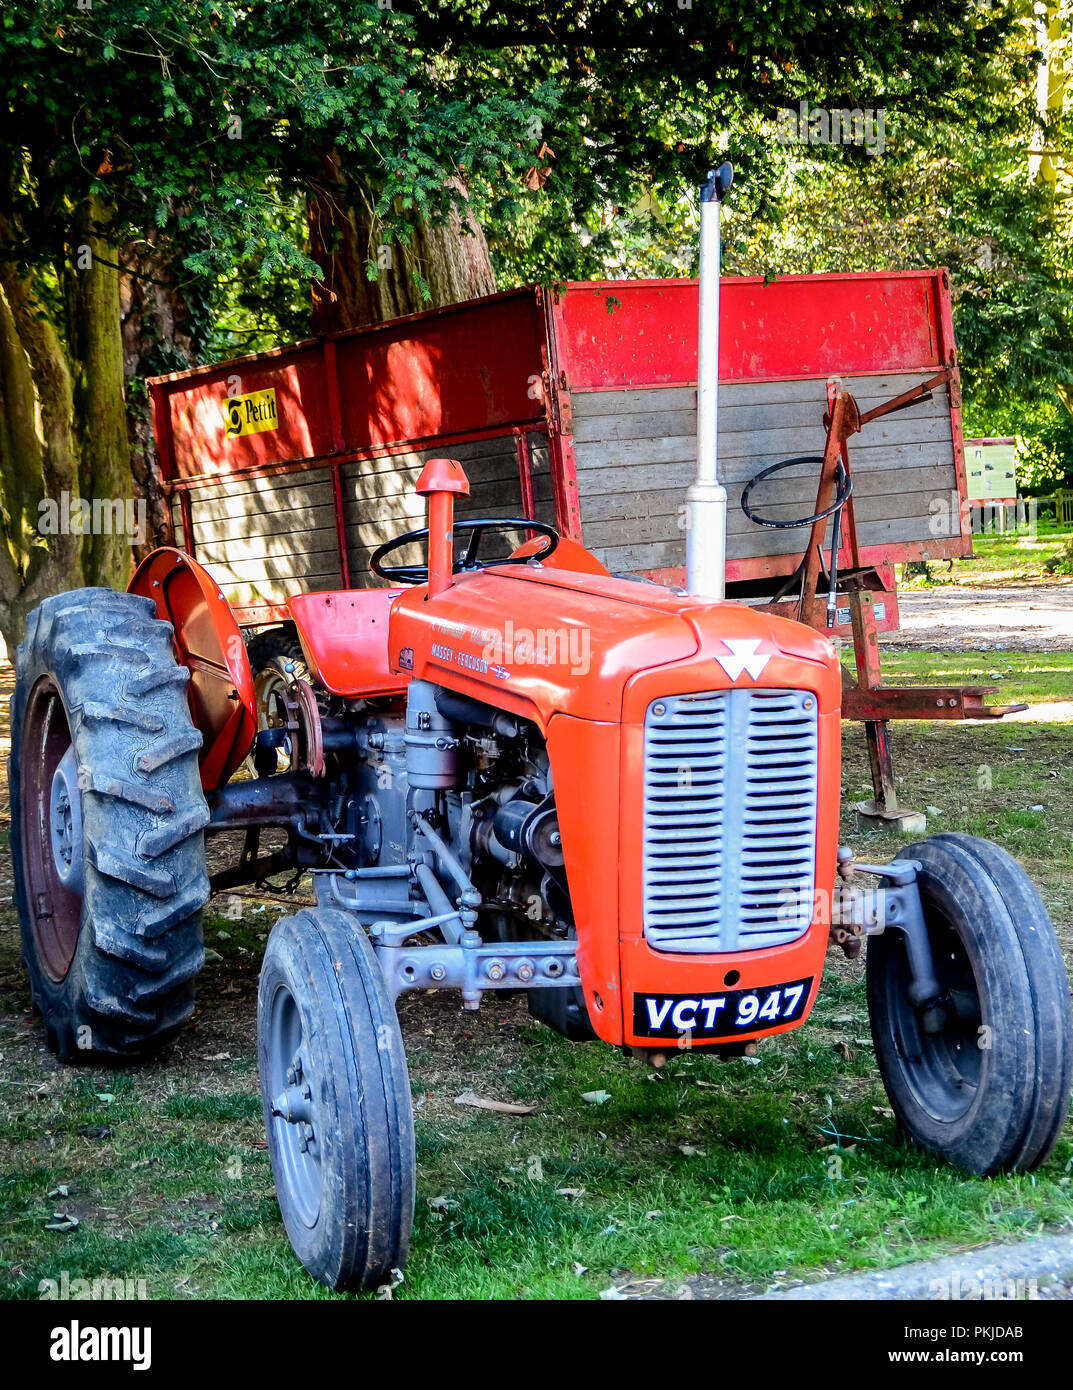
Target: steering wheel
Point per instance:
(418, 574)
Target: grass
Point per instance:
(738, 1174)
(1003, 558)
(1030, 678)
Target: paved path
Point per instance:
(1041, 1268)
(955, 617)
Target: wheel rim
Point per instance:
(51, 830)
(942, 1069)
(270, 687)
(292, 1088)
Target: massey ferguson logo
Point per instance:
(744, 656)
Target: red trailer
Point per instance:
(576, 405)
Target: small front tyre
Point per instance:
(989, 1088)
(336, 1098)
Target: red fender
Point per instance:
(208, 642)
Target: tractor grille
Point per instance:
(729, 819)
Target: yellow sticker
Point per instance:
(250, 414)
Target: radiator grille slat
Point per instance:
(730, 786)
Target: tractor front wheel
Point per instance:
(984, 1078)
(336, 1096)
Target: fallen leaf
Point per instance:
(501, 1107)
(61, 1191)
(691, 1151)
(596, 1097)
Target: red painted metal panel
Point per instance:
(470, 367)
(195, 401)
(456, 371)
(632, 334)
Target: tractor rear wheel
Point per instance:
(336, 1096)
(107, 815)
(990, 1088)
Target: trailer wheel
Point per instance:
(336, 1098)
(990, 1089)
(107, 815)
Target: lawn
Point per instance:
(1004, 558)
(723, 1177)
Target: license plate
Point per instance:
(727, 1015)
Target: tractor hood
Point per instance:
(539, 642)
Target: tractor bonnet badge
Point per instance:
(743, 657)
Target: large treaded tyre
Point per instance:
(990, 1090)
(336, 1097)
(112, 959)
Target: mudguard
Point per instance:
(208, 642)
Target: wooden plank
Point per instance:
(318, 554)
(632, 530)
(733, 419)
(870, 389)
(261, 505)
(935, 478)
(261, 569)
(471, 453)
(774, 443)
(676, 474)
(671, 553)
(265, 524)
(263, 485)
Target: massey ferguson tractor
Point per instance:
(508, 769)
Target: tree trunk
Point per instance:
(96, 344)
(157, 338)
(450, 257)
(38, 453)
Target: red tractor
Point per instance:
(505, 771)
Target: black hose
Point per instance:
(843, 492)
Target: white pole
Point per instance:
(706, 500)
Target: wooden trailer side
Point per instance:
(301, 498)
(626, 364)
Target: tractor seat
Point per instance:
(344, 637)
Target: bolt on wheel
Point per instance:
(293, 1108)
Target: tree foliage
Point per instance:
(182, 142)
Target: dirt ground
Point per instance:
(954, 617)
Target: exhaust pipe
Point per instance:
(706, 500)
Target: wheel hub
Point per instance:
(65, 823)
(294, 1109)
